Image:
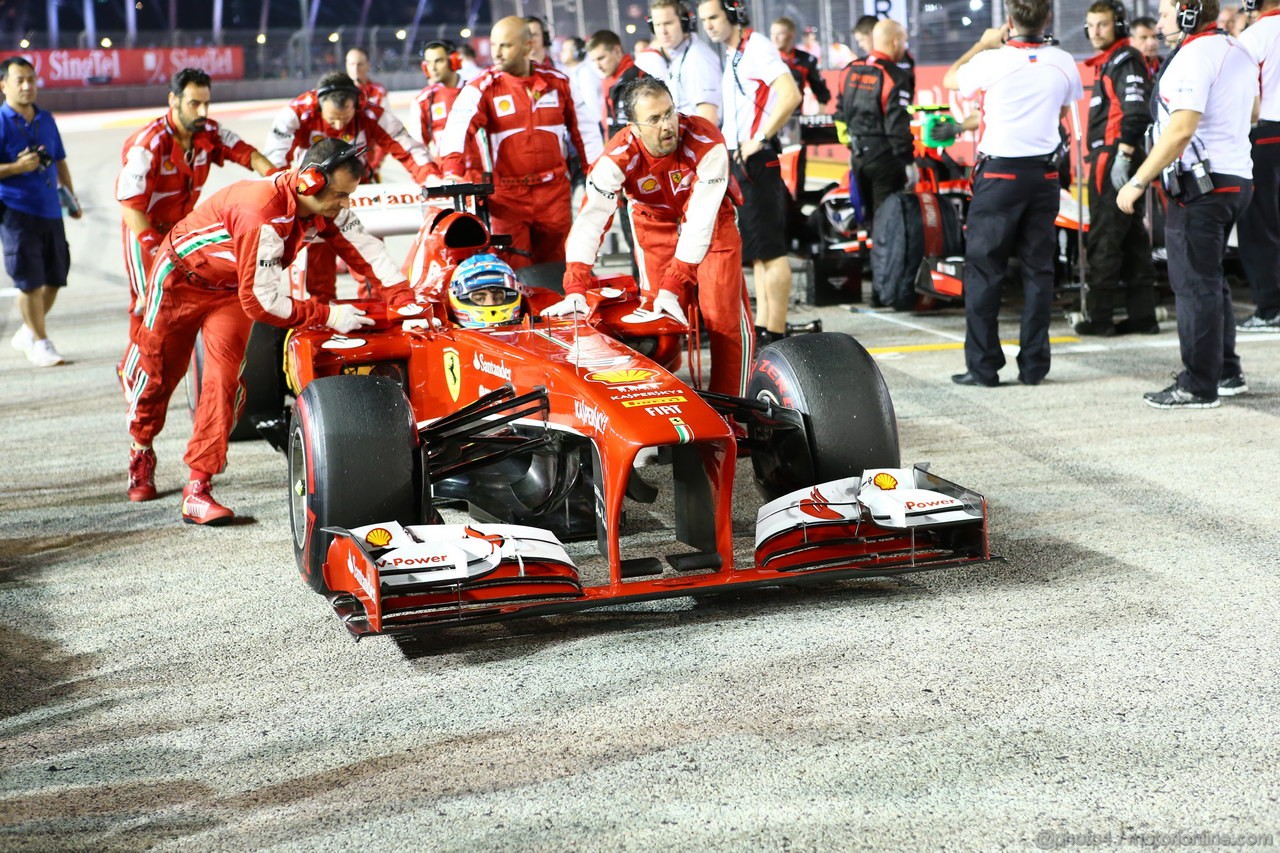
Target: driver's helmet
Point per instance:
(485, 278)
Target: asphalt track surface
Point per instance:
(1112, 682)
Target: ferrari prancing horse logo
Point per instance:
(453, 372)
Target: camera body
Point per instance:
(46, 159)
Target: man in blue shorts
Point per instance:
(33, 164)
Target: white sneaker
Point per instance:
(23, 339)
(42, 354)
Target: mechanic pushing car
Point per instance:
(220, 269)
(164, 168)
(526, 110)
(674, 169)
(337, 109)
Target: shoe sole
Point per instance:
(1153, 404)
(1233, 392)
(212, 522)
(138, 497)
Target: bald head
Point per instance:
(890, 38)
(509, 43)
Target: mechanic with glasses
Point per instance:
(674, 169)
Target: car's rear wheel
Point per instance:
(849, 424)
(353, 460)
(262, 377)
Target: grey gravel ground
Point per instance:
(1112, 683)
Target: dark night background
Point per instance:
(25, 15)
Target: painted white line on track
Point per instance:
(888, 319)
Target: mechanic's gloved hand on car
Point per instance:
(1120, 171)
(667, 302)
(344, 319)
(574, 303)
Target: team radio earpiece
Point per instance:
(455, 58)
(686, 17)
(736, 12)
(1189, 12)
(1121, 19)
(314, 178)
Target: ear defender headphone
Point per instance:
(455, 58)
(546, 31)
(736, 12)
(1249, 5)
(686, 17)
(353, 90)
(314, 178)
(1189, 15)
(1121, 19)
(579, 49)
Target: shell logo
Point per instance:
(885, 481)
(378, 537)
(624, 376)
(649, 184)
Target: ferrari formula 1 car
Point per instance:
(541, 429)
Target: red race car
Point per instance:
(546, 431)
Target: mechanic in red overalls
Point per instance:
(674, 170)
(165, 165)
(527, 113)
(440, 62)
(1119, 248)
(336, 108)
(373, 92)
(219, 270)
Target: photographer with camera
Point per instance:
(1204, 100)
(34, 184)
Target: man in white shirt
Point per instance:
(678, 58)
(1206, 98)
(1260, 224)
(759, 97)
(1026, 85)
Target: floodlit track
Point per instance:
(180, 688)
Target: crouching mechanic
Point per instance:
(674, 170)
(219, 269)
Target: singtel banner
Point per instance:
(60, 69)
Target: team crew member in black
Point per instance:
(1260, 224)
(803, 65)
(1027, 86)
(1119, 113)
(1204, 99)
(1142, 35)
(874, 95)
(617, 68)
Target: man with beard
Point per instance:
(165, 166)
(674, 169)
(526, 112)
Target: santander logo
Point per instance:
(817, 506)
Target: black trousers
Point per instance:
(1015, 201)
(1196, 236)
(1260, 225)
(1119, 249)
(878, 177)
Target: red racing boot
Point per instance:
(199, 507)
(142, 475)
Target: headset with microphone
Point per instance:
(1121, 19)
(314, 178)
(451, 49)
(345, 86)
(546, 31)
(686, 16)
(1189, 12)
(736, 12)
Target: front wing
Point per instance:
(389, 579)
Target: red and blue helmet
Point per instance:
(485, 272)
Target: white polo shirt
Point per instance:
(690, 70)
(748, 70)
(1024, 88)
(1262, 40)
(1215, 76)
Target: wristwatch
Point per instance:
(1136, 184)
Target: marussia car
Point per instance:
(540, 429)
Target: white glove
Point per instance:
(346, 318)
(668, 303)
(574, 303)
(422, 324)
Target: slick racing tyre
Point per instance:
(261, 376)
(849, 423)
(353, 460)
